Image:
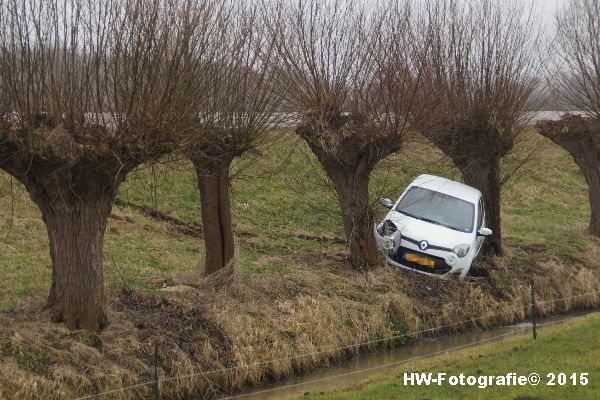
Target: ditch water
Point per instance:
(367, 365)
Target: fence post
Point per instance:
(533, 310)
(156, 385)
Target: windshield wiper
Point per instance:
(405, 213)
(430, 221)
(418, 217)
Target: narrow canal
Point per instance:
(364, 366)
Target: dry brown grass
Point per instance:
(218, 322)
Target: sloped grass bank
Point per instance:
(304, 319)
(292, 297)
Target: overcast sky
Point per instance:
(548, 9)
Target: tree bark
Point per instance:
(75, 210)
(486, 178)
(213, 183)
(76, 240)
(352, 187)
(589, 164)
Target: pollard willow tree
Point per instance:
(482, 68)
(576, 79)
(237, 109)
(89, 90)
(351, 74)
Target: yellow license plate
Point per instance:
(417, 259)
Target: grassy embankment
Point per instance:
(570, 348)
(292, 293)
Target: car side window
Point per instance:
(480, 214)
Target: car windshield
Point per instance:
(438, 208)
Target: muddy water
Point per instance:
(346, 373)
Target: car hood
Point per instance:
(436, 235)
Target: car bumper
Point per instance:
(442, 267)
(458, 271)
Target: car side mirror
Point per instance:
(484, 232)
(384, 201)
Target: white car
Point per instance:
(437, 226)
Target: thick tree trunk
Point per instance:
(76, 233)
(74, 183)
(213, 183)
(352, 187)
(476, 148)
(580, 136)
(486, 178)
(348, 147)
(75, 203)
(589, 164)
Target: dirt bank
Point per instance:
(222, 322)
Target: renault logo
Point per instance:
(423, 245)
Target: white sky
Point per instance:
(548, 9)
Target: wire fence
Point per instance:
(351, 346)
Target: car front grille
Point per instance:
(440, 264)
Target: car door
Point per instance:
(480, 223)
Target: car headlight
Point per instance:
(461, 250)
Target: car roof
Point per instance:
(447, 186)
